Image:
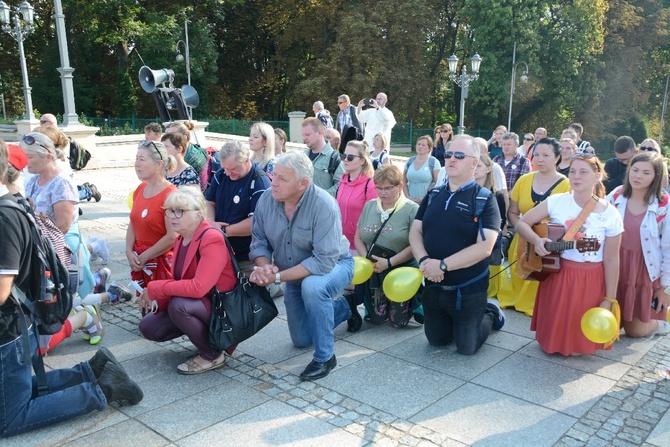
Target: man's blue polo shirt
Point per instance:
(236, 200)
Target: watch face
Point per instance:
(443, 266)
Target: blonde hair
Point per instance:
(488, 181)
(363, 152)
(42, 146)
(187, 197)
(264, 156)
(158, 153)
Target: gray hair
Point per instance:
(158, 153)
(318, 105)
(236, 149)
(511, 136)
(42, 146)
(187, 197)
(299, 162)
(470, 141)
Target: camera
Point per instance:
(367, 102)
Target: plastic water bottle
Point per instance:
(50, 292)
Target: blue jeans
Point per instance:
(469, 326)
(311, 311)
(84, 192)
(73, 392)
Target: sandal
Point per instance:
(191, 367)
(95, 337)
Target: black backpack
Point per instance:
(334, 162)
(79, 156)
(47, 317)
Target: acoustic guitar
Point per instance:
(530, 265)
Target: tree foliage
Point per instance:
(601, 62)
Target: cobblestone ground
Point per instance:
(623, 418)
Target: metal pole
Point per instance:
(2, 97)
(70, 115)
(464, 94)
(188, 58)
(665, 104)
(24, 70)
(511, 91)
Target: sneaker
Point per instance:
(499, 316)
(94, 192)
(89, 243)
(100, 359)
(117, 386)
(101, 249)
(94, 337)
(663, 328)
(103, 285)
(119, 293)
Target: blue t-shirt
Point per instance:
(236, 200)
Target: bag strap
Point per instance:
(238, 271)
(381, 228)
(579, 221)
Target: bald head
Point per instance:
(333, 136)
(540, 133)
(48, 120)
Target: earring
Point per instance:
(263, 151)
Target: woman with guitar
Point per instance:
(644, 272)
(528, 191)
(585, 280)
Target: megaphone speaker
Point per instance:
(191, 97)
(150, 78)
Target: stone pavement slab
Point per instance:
(390, 387)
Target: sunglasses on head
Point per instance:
(147, 143)
(648, 148)
(457, 155)
(349, 157)
(30, 140)
(584, 155)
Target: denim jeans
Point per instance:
(73, 392)
(469, 327)
(84, 192)
(311, 311)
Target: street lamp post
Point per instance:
(70, 117)
(2, 97)
(463, 81)
(523, 78)
(180, 58)
(19, 32)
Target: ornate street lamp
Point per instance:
(522, 78)
(19, 31)
(180, 58)
(463, 81)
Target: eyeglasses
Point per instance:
(147, 143)
(458, 155)
(528, 139)
(385, 189)
(178, 213)
(341, 102)
(349, 157)
(648, 148)
(445, 131)
(30, 140)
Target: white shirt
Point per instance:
(375, 121)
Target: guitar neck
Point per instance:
(560, 246)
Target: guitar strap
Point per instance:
(579, 221)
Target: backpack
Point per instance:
(48, 317)
(431, 163)
(334, 162)
(79, 156)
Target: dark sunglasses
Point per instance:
(147, 143)
(528, 139)
(30, 140)
(648, 148)
(349, 157)
(458, 155)
(584, 155)
(445, 131)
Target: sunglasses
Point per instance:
(30, 140)
(528, 139)
(583, 155)
(445, 131)
(177, 213)
(147, 143)
(457, 155)
(45, 122)
(349, 157)
(648, 148)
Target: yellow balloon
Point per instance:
(363, 270)
(129, 200)
(402, 283)
(599, 325)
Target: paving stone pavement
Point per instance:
(389, 389)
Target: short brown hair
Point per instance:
(313, 121)
(388, 173)
(153, 127)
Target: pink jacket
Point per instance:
(352, 196)
(198, 278)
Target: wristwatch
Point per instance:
(277, 279)
(443, 265)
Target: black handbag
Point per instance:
(240, 313)
(380, 250)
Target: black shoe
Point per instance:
(117, 386)
(81, 212)
(317, 370)
(355, 322)
(100, 359)
(94, 192)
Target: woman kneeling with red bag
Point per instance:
(182, 305)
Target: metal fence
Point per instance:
(403, 133)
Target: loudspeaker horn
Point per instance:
(191, 97)
(150, 78)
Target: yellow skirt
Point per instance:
(513, 291)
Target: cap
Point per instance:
(17, 157)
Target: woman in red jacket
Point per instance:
(182, 305)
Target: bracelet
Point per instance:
(389, 262)
(423, 259)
